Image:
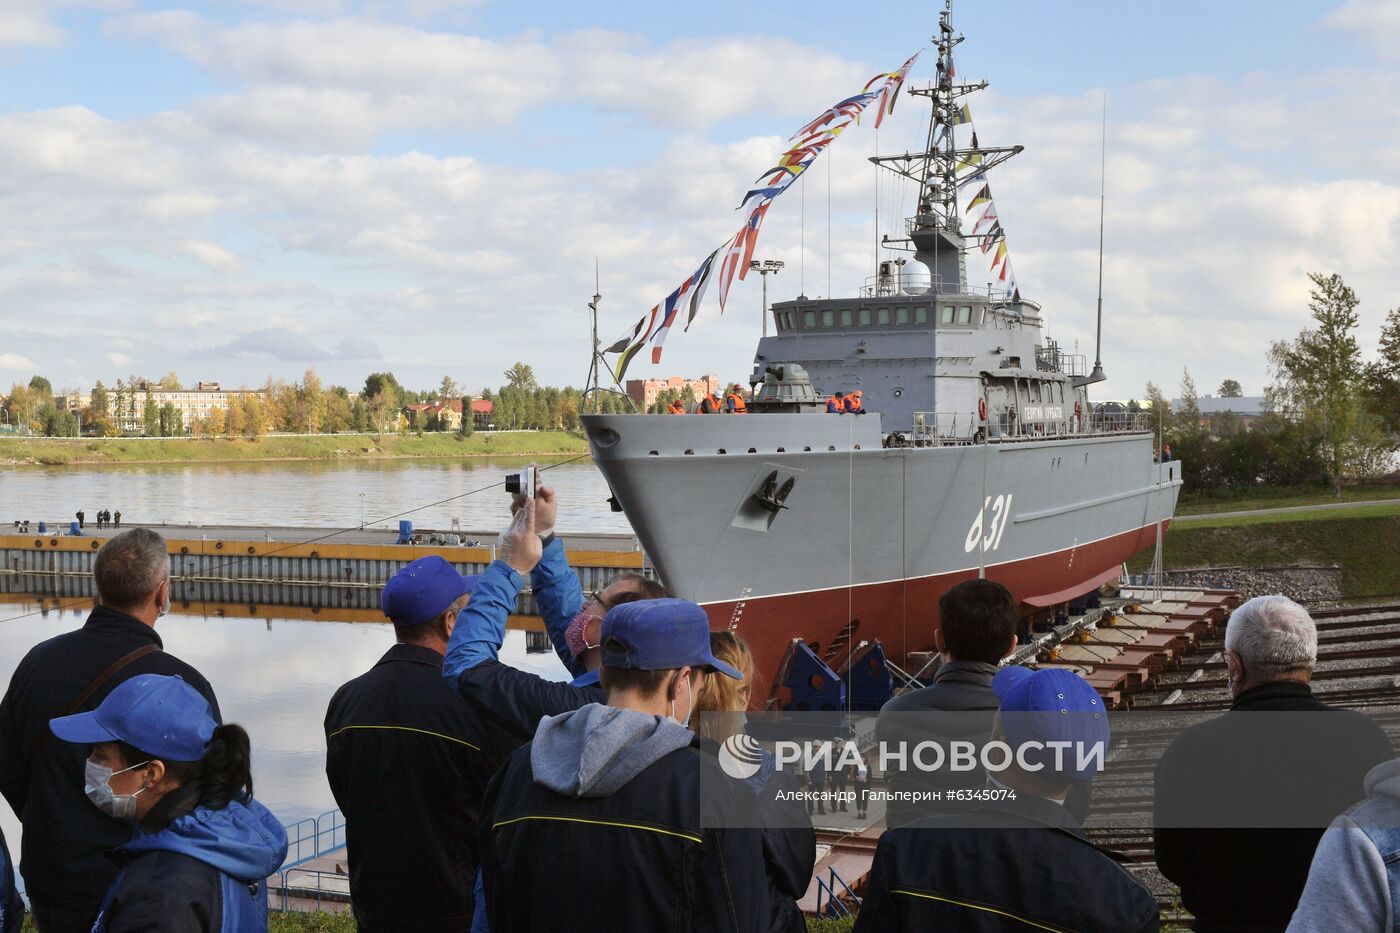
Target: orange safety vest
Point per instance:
(711, 405)
(835, 405)
(675, 408)
(852, 405)
(738, 402)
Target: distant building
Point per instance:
(449, 414)
(644, 392)
(1247, 409)
(72, 401)
(128, 406)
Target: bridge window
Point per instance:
(864, 317)
(947, 316)
(921, 314)
(965, 315)
(809, 319)
(882, 316)
(845, 317)
(901, 315)
(828, 318)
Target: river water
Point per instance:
(272, 675)
(310, 493)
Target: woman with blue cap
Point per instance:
(202, 847)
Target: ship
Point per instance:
(979, 454)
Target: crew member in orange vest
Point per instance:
(675, 408)
(711, 405)
(836, 405)
(734, 401)
(853, 403)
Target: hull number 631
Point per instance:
(996, 515)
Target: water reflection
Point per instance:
(300, 493)
(273, 675)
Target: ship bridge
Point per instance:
(924, 361)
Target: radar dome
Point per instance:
(916, 278)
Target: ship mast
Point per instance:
(936, 229)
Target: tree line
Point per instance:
(1328, 415)
(305, 406)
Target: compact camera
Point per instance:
(522, 483)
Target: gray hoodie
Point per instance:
(1354, 882)
(595, 750)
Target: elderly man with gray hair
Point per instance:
(62, 858)
(1241, 800)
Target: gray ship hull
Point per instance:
(869, 537)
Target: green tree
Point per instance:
(171, 421)
(42, 386)
(468, 426)
(383, 409)
(150, 417)
(1324, 374)
(522, 376)
(377, 383)
(253, 415)
(171, 382)
(447, 389)
(1230, 389)
(1186, 422)
(1383, 375)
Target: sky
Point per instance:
(243, 189)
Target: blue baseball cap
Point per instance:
(1052, 704)
(660, 635)
(423, 590)
(161, 715)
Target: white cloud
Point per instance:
(117, 359)
(23, 24)
(15, 361)
(211, 254)
(1376, 22)
(340, 83)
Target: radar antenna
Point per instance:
(936, 228)
(1098, 375)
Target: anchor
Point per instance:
(771, 497)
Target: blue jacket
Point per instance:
(511, 702)
(11, 907)
(205, 870)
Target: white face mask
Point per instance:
(97, 785)
(690, 708)
(160, 613)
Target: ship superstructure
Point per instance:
(978, 453)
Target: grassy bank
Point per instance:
(1363, 541)
(61, 451)
(1275, 497)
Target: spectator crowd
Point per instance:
(478, 796)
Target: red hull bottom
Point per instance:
(903, 614)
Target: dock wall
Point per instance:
(236, 571)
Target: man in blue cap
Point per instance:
(1017, 858)
(621, 782)
(408, 761)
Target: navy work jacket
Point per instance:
(1022, 864)
(638, 859)
(408, 761)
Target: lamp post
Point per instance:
(765, 268)
(362, 510)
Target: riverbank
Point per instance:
(52, 451)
